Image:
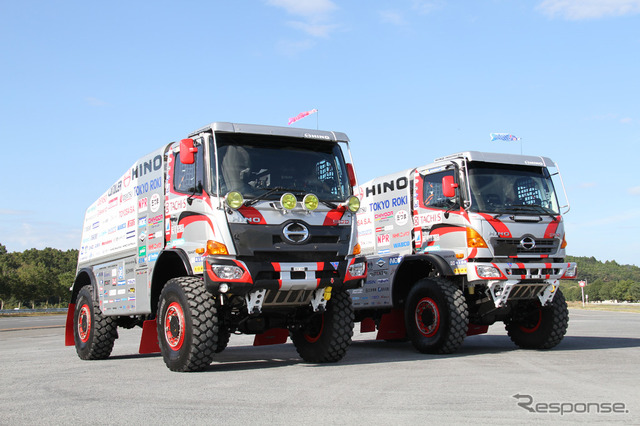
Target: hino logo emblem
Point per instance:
(527, 243)
(295, 232)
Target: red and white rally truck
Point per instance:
(456, 245)
(236, 229)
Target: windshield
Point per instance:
(256, 164)
(502, 188)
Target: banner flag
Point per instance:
(301, 115)
(503, 137)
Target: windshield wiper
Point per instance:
(535, 207)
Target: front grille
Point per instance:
(526, 291)
(512, 246)
(533, 271)
(292, 297)
(294, 256)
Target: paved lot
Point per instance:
(595, 369)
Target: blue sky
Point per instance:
(88, 87)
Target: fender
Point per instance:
(83, 277)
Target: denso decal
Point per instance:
(401, 234)
(427, 219)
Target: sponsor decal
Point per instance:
(402, 244)
(127, 211)
(142, 204)
(155, 202)
(335, 265)
(401, 234)
(395, 260)
(383, 216)
(383, 240)
(175, 205)
(142, 169)
(427, 219)
(402, 217)
(364, 221)
(142, 251)
(383, 187)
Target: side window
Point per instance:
(432, 190)
(187, 178)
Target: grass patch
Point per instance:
(620, 307)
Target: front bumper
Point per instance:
(284, 276)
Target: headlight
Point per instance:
(228, 272)
(353, 204)
(234, 199)
(486, 271)
(310, 202)
(288, 201)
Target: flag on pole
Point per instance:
(503, 137)
(301, 115)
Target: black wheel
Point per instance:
(187, 324)
(436, 316)
(327, 335)
(533, 326)
(94, 333)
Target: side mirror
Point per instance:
(449, 186)
(187, 151)
(352, 174)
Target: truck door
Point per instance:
(438, 220)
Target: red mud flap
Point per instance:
(367, 325)
(476, 329)
(68, 329)
(149, 339)
(273, 336)
(392, 326)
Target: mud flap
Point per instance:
(476, 329)
(273, 336)
(367, 325)
(68, 329)
(392, 326)
(149, 339)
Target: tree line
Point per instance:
(604, 281)
(41, 278)
(36, 278)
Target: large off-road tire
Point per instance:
(436, 316)
(93, 332)
(533, 326)
(187, 324)
(327, 335)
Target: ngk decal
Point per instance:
(427, 219)
(175, 205)
(402, 217)
(384, 240)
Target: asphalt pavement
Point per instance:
(591, 377)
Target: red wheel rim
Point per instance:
(535, 327)
(84, 323)
(174, 326)
(427, 317)
(314, 338)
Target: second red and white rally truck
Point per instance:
(459, 244)
(236, 229)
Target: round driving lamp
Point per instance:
(288, 201)
(234, 200)
(310, 202)
(353, 204)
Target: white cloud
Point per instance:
(626, 120)
(634, 190)
(575, 10)
(292, 48)
(392, 17)
(424, 7)
(306, 8)
(313, 29)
